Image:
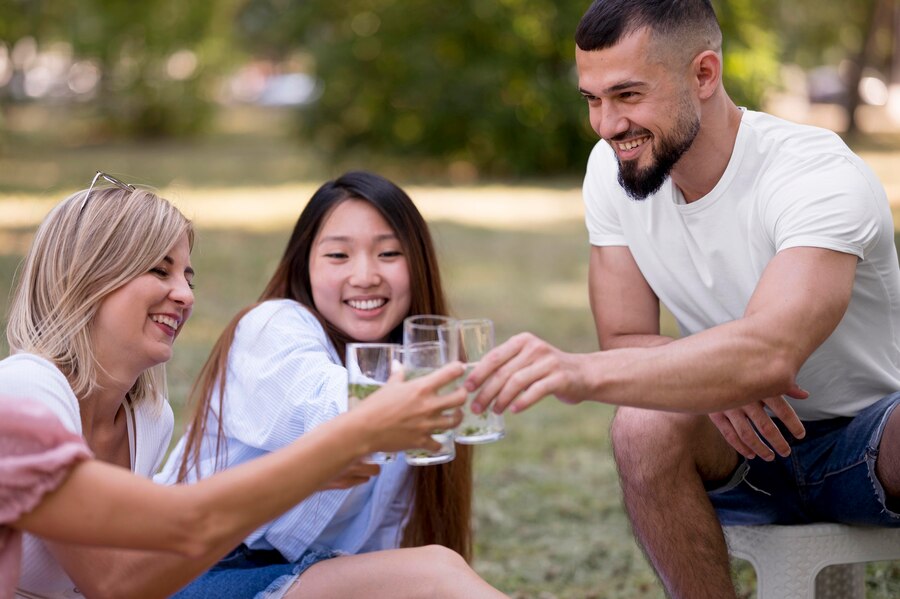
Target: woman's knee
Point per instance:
(438, 569)
(443, 559)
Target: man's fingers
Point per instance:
(730, 435)
(526, 382)
(502, 387)
(796, 392)
(748, 435)
(784, 412)
(493, 360)
(766, 428)
(535, 383)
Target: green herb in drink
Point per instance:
(361, 391)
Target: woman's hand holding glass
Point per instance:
(403, 415)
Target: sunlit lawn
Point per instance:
(549, 519)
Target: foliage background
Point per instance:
(474, 87)
(472, 106)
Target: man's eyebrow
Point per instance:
(615, 88)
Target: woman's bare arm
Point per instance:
(106, 505)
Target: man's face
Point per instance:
(641, 107)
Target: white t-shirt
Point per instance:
(786, 185)
(149, 432)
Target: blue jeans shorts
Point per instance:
(828, 477)
(252, 574)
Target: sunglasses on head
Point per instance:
(108, 178)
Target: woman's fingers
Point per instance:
(434, 381)
(355, 474)
(406, 413)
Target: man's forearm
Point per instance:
(710, 371)
(621, 341)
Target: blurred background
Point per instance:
(238, 109)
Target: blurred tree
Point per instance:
(752, 48)
(154, 58)
(483, 82)
(488, 83)
(840, 34)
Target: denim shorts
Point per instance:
(252, 574)
(828, 477)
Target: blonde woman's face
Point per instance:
(136, 325)
(358, 273)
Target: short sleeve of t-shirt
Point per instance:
(828, 203)
(27, 376)
(601, 218)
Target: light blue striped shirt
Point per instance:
(284, 379)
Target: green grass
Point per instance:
(549, 520)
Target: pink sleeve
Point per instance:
(36, 454)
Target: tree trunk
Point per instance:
(880, 13)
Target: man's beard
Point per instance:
(641, 182)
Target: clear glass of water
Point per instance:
(368, 368)
(430, 342)
(476, 338)
(430, 327)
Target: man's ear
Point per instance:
(707, 72)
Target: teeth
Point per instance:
(169, 322)
(629, 145)
(366, 304)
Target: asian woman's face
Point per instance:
(358, 272)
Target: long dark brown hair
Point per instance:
(442, 504)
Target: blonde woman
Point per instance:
(105, 290)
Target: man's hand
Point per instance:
(737, 426)
(518, 373)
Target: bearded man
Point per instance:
(773, 246)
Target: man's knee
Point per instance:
(647, 439)
(636, 429)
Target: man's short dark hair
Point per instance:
(689, 25)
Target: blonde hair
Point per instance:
(77, 258)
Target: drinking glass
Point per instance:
(476, 338)
(429, 327)
(420, 359)
(368, 368)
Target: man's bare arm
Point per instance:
(798, 302)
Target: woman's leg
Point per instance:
(431, 572)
